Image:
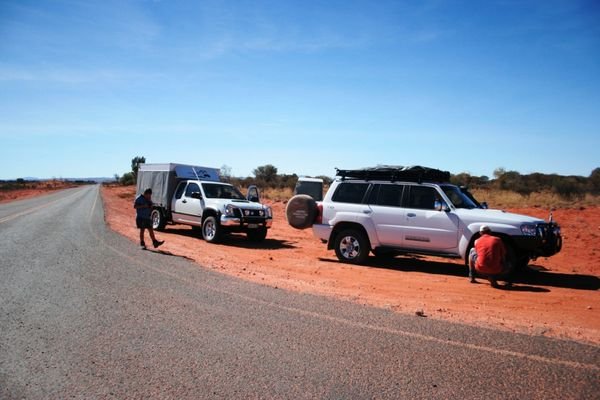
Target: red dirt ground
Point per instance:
(561, 300)
(33, 190)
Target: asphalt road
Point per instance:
(86, 314)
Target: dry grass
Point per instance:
(277, 194)
(503, 199)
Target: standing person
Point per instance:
(486, 258)
(143, 208)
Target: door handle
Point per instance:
(367, 211)
(411, 215)
(184, 201)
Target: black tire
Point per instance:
(301, 211)
(211, 230)
(351, 246)
(512, 262)
(257, 235)
(158, 220)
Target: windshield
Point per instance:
(457, 197)
(220, 191)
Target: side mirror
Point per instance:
(253, 194)
(196, 195)
(440, 206)
(484, 205)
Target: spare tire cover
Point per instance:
(301, 211)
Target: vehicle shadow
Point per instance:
(560, 280)
(237, 240)
(241, 241)
(168, 253)
(529, 280)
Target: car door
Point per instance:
(188, 207)
(387, 214)
(427, 226)
(253, 194)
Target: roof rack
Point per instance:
(396, 173)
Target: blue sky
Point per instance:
(466, 86)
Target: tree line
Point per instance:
(571, 186)
(567, 187)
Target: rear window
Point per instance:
(349, 192)
(180, 190)
(386, 195)
(313, 189)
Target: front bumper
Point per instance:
(546, 243)
(243, 223)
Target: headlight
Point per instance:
(230, 210)
(529, 230)
(269, 212)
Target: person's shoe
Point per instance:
(157, 243)
(143, 246)
(473, 280)
(494, 283)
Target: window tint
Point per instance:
(389, 195)
(373, 194)
(179, 191)
(422, 197)
(458, 197)
(192, 187)
(350, 192)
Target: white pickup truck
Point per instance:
(194, 195)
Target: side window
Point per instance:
(350, 192)
(373, 194)
(179, 191)
(192, 187)
(390, 195)
(422, 197)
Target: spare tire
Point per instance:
(301, 211)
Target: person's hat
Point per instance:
(484, 228)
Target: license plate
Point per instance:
(252, 226)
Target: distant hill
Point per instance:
(33, 179)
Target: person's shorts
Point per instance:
(143, 223)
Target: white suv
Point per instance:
(398, 210)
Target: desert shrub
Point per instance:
(128, 179)
(594, 181)
(569, 188)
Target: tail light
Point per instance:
(319, 216)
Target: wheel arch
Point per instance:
(211, 212)
(346, 225)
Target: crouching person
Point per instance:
(143, 208)
(487, 257)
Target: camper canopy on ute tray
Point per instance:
(163, 178)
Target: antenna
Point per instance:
(195, 173)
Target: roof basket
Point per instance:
(396, 173)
